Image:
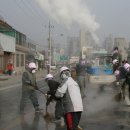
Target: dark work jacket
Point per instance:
(29, 80)
(123, 72)
(81, 69)
(53, 86)
(128, 77)
(117, 56)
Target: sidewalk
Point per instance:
(6, 81)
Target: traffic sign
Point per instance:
(63, 58)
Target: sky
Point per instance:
(67, 17)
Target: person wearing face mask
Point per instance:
(28, 87)
(69, 91)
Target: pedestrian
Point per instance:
(69, 91)
(116, 55)
(48, 67)
(10, 68)
(53, 86)
(73, 73)
(127, 67)
(28, 87)
(81, 76)
(116, 64)
(123, 77)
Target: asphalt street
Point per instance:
(100, 111)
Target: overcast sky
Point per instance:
(100, 17)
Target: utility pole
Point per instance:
(50, 44)
(49, 47)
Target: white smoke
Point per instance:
(68, 12)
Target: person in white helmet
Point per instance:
(69, 91)
(115, 63)
(53, 86)
(127, 81)
(116, 55)
(28, 87)
(122, 75)
(127, 66)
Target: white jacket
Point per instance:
(70, 92)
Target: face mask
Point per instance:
(64, 76)
(33, 71)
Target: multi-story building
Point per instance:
(7, 50)
(87, 44)
(13, 46)
(73, 46)
(7, 44)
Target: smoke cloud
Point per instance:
(68, 12)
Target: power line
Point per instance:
(34, 9)
(25, 12)
(16, 2)
(28, 7)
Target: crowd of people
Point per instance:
(121, 69)
(69, 92)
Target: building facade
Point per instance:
(13, 48)
(73, 46)
(7, 45)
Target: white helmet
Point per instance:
(115, 61)
(126, 66)
(49, 76)
(63, 69)
(32, 65)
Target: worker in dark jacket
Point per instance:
(116, 64)
(28, 87)
(81, 76)
(127, 67)
(116, 55)
(53, 86)
(123, 76)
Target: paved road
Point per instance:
(100, 111)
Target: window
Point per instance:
(22, 60)
(17, 60)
